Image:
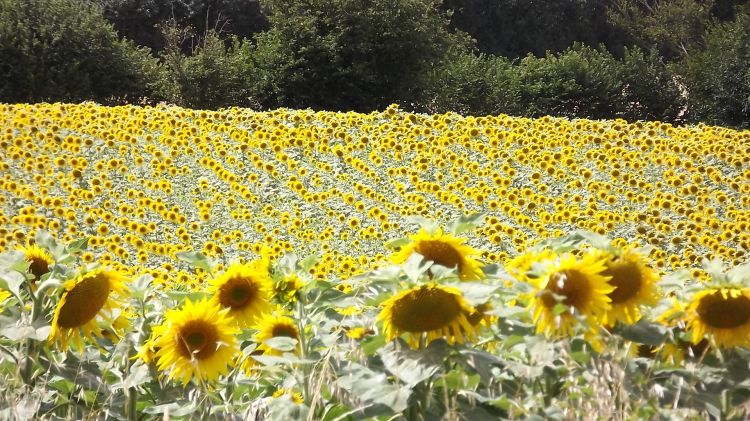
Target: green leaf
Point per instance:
(370, 387)
(284, 409)
(466, 223)
(139, 374)
(371, 344)
(171, 409)
(78, 246)
(645, 332)
(410, 366)
(308, 262)
(281, 343)
(428, 225)
(596, 240)
(398, 243)
(476, 292)
(197, 260)
(12, 281)
(415, 266)
(14, 261)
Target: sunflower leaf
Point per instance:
(12, 281)
(476, 292)
(410, 366)
(415, 266)
(308, 262)
(14, 260)
(397, 244)
(427, 224)
(466, 223)
(596, 240)
(373, 388)
(197, 260)
(645, 332)
(281, 343)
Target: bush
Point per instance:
(213, 76)
(474, 84)
(650, 89)
(718, 78)
(64, 50)
(348, 54)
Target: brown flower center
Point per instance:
(84, 301)
(237, 292)
(724, 313)
(439, 252)
(424, 310)
(38, 266)
(570, 284)
(626, 278)
(197, 339)
(284, 330)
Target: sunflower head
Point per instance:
(39, 259)
(274, 326)
(286, 288)
(444, 250)
(635, 285)
(90, 301)
(245, 290)
(433, 310)
(720, 313)
(197, 341)
(577, 284)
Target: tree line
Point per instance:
(681, 61)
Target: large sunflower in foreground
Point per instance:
(434, 310)
(580, 286)
(244, 289)
(90, 301)
(723, 313)
(444, 250)
(634, 286)
(197, 340)
(39, 259)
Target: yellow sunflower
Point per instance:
(39, 259)
(91, 300)
(244, 289)
(197, 340)
(634, 286)
(434, 310)
(580, 286)
(722, 313)
(520, 266)
(286, 288)
(274, 326)
(444, 250)
(4, 295)
(295, 396)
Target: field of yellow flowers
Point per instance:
(161, 262)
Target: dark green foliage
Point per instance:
(348, 54)
(212, 76)
(474, 84)
(64, 50)
(516, 28)
(579, 82)
(139, 20)
(718, 78)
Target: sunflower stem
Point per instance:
(132, 400)
(303, 345)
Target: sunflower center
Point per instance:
(627, 280)
(425, 310)
(83, 302)
(38, 267)
(724, 313)
(197, 339)
(439, 252)
(284, 330)
(571, 284)
(238, 292)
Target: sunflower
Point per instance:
(92, 299)
(722, 313)
(286, 288)
(244, 289)
(274, 326)
(521, 266)
(580, 286)
(197, 340)
(634, 283)
(431, 309)
(296, 397)
(444, 250)
(4, 295)
(39, 259)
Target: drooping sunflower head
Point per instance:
(197, 341)
(244, 289)
(90, 301)
(721, 313)
(39, 259)
(434, 310)
(577, 284)
(444, 250)
(274, 326)
(635, 285)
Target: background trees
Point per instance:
(672, 60)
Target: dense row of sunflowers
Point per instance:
(148, 266)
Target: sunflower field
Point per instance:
(168, 263)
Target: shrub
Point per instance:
(64, 50)
(718, 77)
